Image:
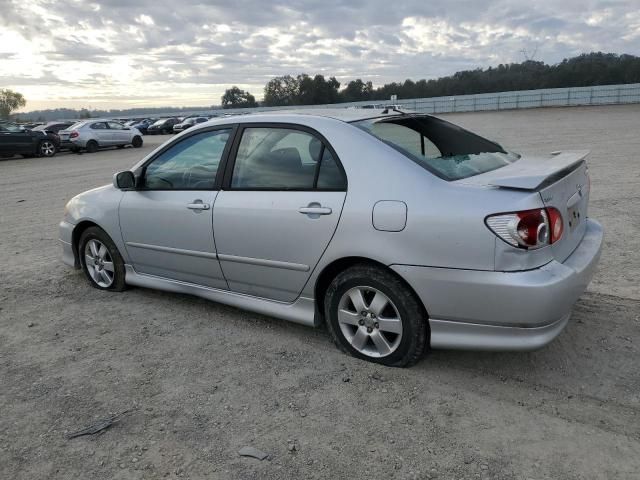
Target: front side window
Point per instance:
(283, 159)
(440, 147)
(191, 164)
(115, 126)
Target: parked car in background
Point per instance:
(399, 231)
(187, 123)
(143, 124)
(54, 127)
(90, 135)
(162, 126)
(16, 140)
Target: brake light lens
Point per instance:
(74, 134)
(555, 224)
(529, 229)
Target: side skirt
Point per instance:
(301, 311)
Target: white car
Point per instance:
(90, 135)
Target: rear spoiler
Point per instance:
(530, 173)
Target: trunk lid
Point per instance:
(562, 181)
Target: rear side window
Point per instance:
(284, 159)
(98, 126)
(444, 149)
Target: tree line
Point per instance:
(584, 70)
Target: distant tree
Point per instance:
(234, 97)
(357, 90)
(84, 113)
(10, 101)
(282, 91)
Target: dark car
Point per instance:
(55, 127)
(187, 123)
(143, 125)
(162, 126)
(15, 140)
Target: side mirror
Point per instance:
(124, 180)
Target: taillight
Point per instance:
(74, 134)
(528, 229)
(555, 224)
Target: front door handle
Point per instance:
(198, 205)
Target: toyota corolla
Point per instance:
(401, 232)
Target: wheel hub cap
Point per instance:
(369, 321)
(99, 263)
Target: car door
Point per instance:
(282, 199)
(119, 134)
(101, 133)
(14, 140)
(166, 222)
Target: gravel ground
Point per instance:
(205, 380)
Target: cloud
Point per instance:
(120, 53)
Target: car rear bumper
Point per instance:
(487, 310)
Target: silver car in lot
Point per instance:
(90, 135)
(399, 231)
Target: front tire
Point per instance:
(100, 260)
(372, 315)
(136, 142)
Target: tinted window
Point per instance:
(330, 176)
(190, 164)
(440, 147)
(98, 126)
(274, 158)
(10, 127)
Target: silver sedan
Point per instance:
(90, 135)
(399, 231)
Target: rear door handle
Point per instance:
(198, 205)
(315, 210)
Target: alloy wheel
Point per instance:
(370, 321)
(99, 263)
(47, 149)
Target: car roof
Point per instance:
(343, 114)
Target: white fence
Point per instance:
(551, 97)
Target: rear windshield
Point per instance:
(76, 126)
(444, 149)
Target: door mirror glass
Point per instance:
(124, 180)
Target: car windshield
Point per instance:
(160, 122)
(444, 149)
(10, 127)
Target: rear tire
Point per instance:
(101, 262)
(92, 146)
(136, 142)
(385, 324)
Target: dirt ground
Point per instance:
(205, 380)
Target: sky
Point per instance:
(137, 53)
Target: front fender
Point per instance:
(98, 206)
